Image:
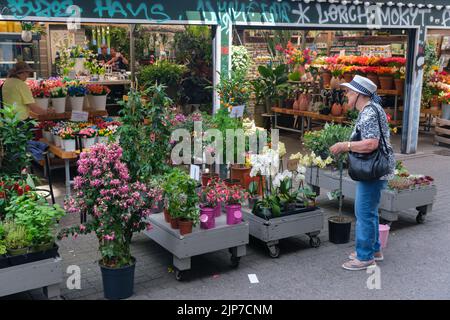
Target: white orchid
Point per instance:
(266, 164)
(280, 177)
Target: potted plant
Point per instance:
(104, 135)
(97, 95)
(182, 199)
(38, 217)
(58, 95)
(399, 79)
(336, 72)
(211, 198)
(67, 136)
(271, 79)
(46, 127)
(116, 208)
(88, 136)
(17, 240)
(339, 227)
(234, 196)
(253, 194)
(41, 93)
(444, 97)
(3, 259)
(76, 91)
(27, 31)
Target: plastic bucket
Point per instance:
(384, 234)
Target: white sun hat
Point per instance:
(363, 86)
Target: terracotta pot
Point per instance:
(336, 110)
(174, 223)
(348, 77)
(386, 82)
(296, 105)
(374, 78)
(240, 172)
(326, 77)
(166, 215)
(399, 86)
(345, 108)
(185, 226)
(304, 102)
(335, 83)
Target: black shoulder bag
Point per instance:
(369, 166)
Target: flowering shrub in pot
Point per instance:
(40, 93)
(116, 207)
(211, 198)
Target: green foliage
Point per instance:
(321, 141)
(14, 137)
(165, 73)
(37, 216)
(181, 195)
(271, 202)
(17, 236)
(146, 147)
(233, 90)
(270, 80)
(193, 49)
(253, 189)
(352, 114)
(240, 60)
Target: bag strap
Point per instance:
(379, 124)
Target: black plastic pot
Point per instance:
(4, 262)
(42, 255)
(339, 229)
(118, 283)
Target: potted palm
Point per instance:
(116, 208)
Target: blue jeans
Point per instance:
(368, 194)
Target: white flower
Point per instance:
(301, 169)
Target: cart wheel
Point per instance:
(179, 275)
(420, 218)
(274, 251)
(314, 242)
(235, 261)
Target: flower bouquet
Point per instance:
(97, 95)
(77, 91)
(67, 136)
(88, 136)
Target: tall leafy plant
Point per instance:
(14, 137)
(145, 133)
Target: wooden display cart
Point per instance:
(272, 230)
(46, 274)
(442, 132)
(200, 241)
(391, 202)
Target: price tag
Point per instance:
(330, 195)
(79, 116)
(195, 172)
(237, 112)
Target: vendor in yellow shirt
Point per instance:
(16, 92)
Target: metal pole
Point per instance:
(132, 54)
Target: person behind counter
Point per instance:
(104, 57)
(15, 92)
(118, 61)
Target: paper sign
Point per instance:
(79, 116)
(292, 165)
(195, 172)
(253, 278)
(237, 112)
(330, 196)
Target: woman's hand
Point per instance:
(339, 148)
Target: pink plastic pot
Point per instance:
(384, 234)
(207, 218)
(234, 214)
(218, 209)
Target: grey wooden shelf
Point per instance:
(200, 241)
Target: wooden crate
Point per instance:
(442, 132)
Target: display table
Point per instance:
(200, 241)
(46, 274)
(67, 157)
(305, 115)
(275, 229)
(391, 202)
(66, 115)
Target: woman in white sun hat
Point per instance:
(371, 131)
